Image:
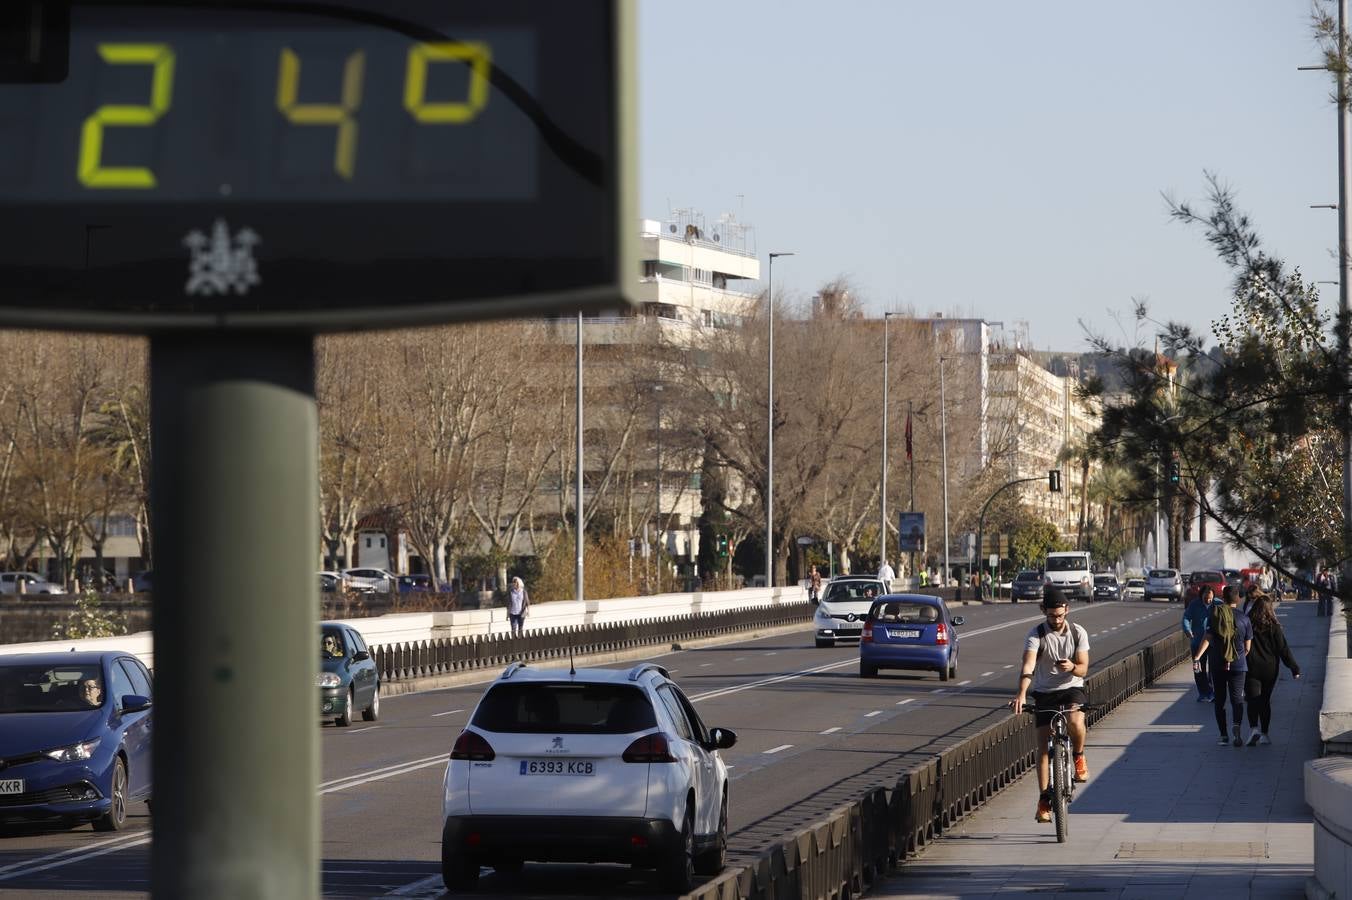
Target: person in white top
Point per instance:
(885, 575)
(518, 606)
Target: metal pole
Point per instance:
(910, 456)
(1344, 278)
(657, 509)
(882, 532)
(770, 431)
(943, 443)
(579, 591)
(235, 437)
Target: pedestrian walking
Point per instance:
(814, 585)
(1325, 588)
(1196, 619)
(518, 606)
(1228, 639)
(1269, 648)
(885, 575)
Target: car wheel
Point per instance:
(824, 643)
(459, 871)
(346, 718)
(943, 673)
(712, 861)
(116, 816)
(372, 712)
(867, 671)
(953, 669)
(680, 868)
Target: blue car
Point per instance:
(74, 738)
(909, 631)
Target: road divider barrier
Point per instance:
(858, 843)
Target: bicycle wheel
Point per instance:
(1061, 788)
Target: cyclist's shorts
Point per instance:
(1050, 700)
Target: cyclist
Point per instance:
(1055, 662)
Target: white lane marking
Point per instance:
(876, 712)
(449, 712)
(777, 749)
(904, 702)
(961, 683)
(771, 652)
(739, 659)
(939, 691)
(16, 870)
(411, 762)
(1010, 666)
(126, 839)
(360, 730)
(987, 674)
(705, 665)
(430, 886)
(832, 730)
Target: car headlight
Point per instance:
(74, 753)
(328, 679)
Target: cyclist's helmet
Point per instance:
(1053, 598)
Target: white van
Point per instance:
(1070, 572)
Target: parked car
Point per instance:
(348, 680)
(1166, 583)
(909, 631)
(27, 583)
(367, 579)
(1027, 585)
(333, 582)
(1134, 590)
(74, 737)
(843, 606)
(1213, 578)
(1107, 587)
(141, 581)
(603, 765)
(414, 583)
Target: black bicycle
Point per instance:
(1062, 785)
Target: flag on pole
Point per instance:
(908, 435)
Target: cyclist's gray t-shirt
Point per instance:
(1056, 645)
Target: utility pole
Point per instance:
(1344, 277)
(943, 443)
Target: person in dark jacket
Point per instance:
(1228, 639)
(1267, 650)
(1196, 618)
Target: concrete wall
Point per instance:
(1328, 781)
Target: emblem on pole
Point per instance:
(221, 264)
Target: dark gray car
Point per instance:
(348, 680)
(1027, 585)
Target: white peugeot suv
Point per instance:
(595, 765)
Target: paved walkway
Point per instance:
(1166, 811)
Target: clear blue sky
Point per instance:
(1004, 160)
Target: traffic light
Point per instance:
(1174, 473)
(721, 544)
(1054, 481)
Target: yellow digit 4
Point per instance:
(480, 61)
(339, 114)
(92, 172)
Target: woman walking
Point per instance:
(518, 606)
(1268, 649)
(1228, 638)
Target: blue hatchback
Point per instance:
(74, 738)
(909, 631)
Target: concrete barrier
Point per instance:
(1335, 715)
(1328, 781)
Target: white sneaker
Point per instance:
(1263, 739)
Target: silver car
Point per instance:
(843, 608)
(1166, 583)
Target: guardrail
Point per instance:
(441, 656)
(858, 843)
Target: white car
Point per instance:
(1134, 589)
(600, 765)
(27, 583)
(843, 607)
(368, 579)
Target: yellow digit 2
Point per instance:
(92, 172)
(480, 62)
(339, 114)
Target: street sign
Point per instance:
(911, 532)
(993, 561)
(313, 166)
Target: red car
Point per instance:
(1210, 577)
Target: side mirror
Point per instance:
(959, 620)
(134, 703)
(360, 655)
(722, 738)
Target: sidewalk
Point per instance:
(1166, 811)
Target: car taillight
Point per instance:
(651, 748)
(866, 637)
(471, 745)
(940, 634)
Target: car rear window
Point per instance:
(1213, 577)
(564, 708)
(1162, 573)
(905, 612)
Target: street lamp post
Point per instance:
(882, 533)
(770, 430)
(943, 444)
(578, 580)
(657, 505)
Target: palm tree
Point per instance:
(1080, 450)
